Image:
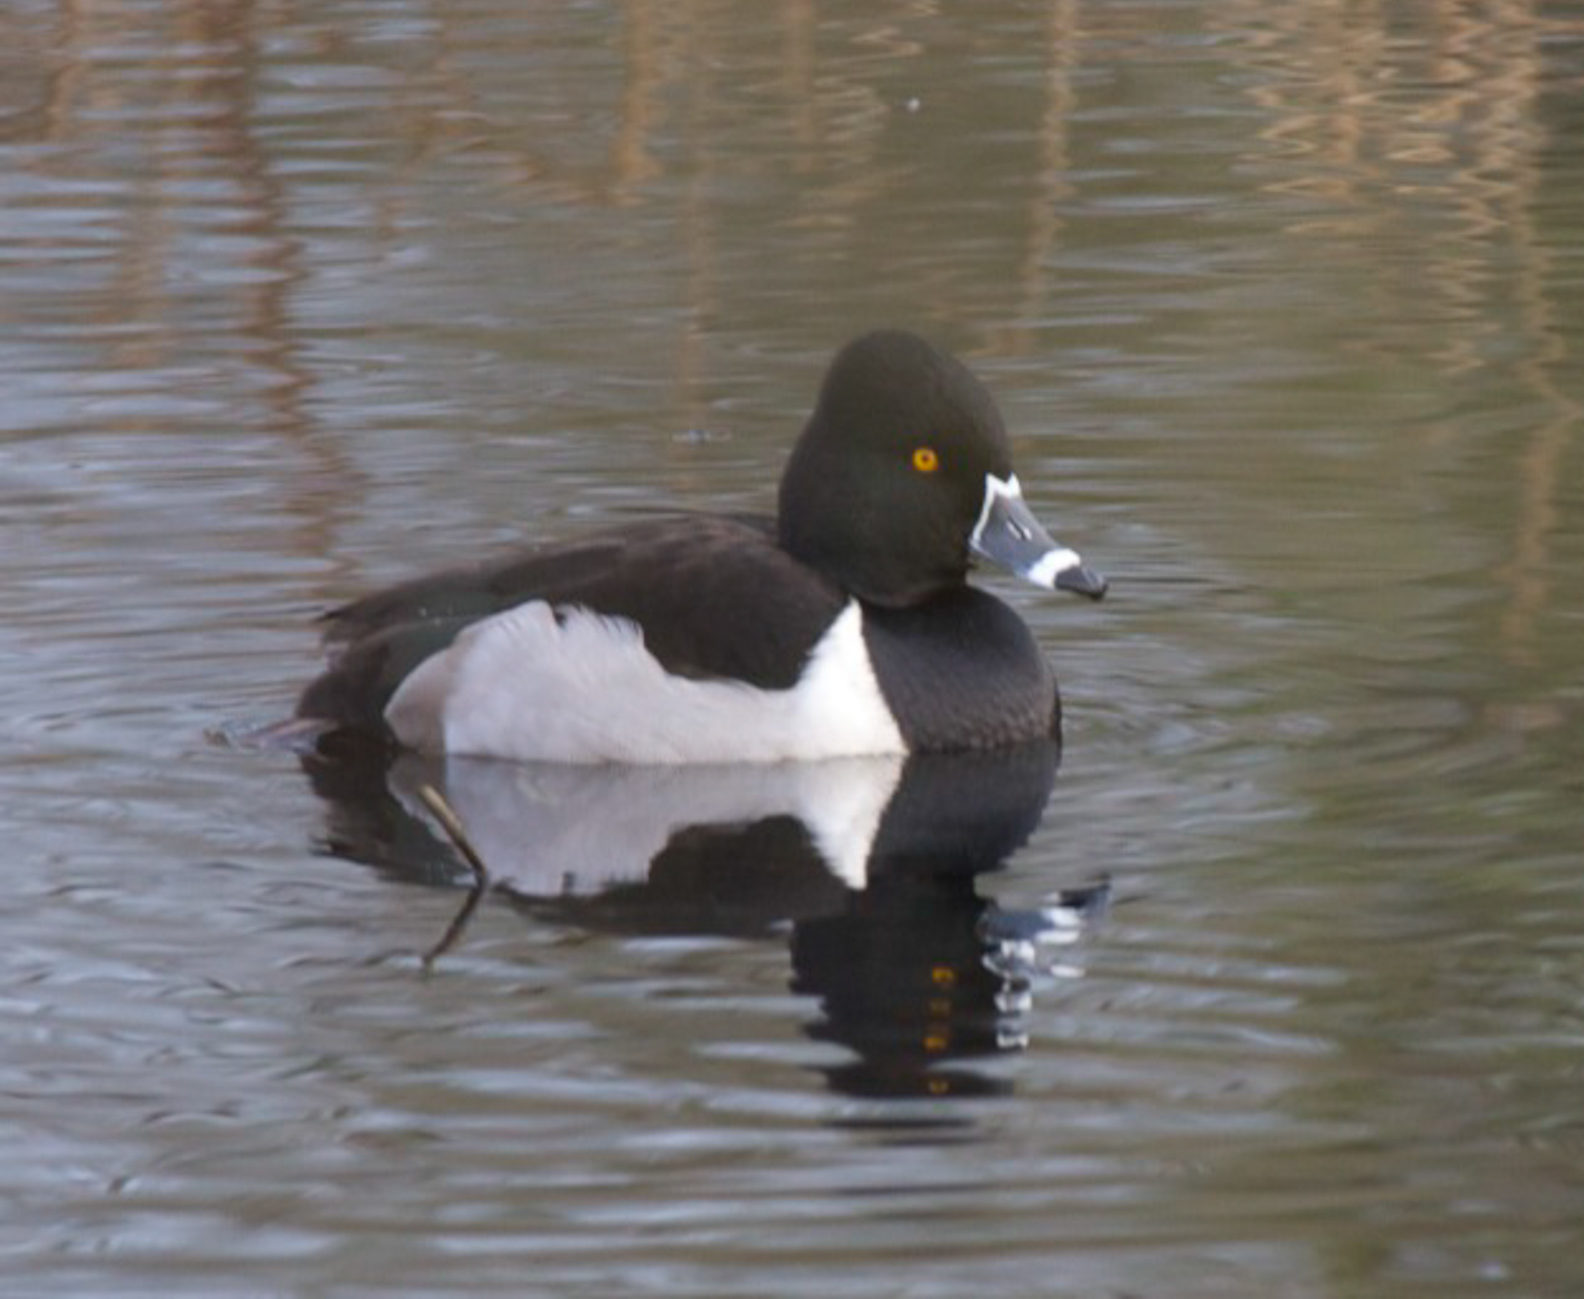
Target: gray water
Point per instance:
(1283, 305)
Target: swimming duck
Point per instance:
(844, 626)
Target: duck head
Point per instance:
(903, 477)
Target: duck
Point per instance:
(843, 626)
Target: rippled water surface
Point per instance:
(1275, 991)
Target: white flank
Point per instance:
(526, 686)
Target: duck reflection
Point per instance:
(873, 862)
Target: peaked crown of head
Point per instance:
(888, 478)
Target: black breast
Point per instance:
(962, 671)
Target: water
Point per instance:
(1283, 305)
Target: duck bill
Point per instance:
(1008, 534)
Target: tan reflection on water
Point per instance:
(1428, 123)
(1441, 133)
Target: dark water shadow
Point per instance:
(872, 866)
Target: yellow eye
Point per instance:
(926, 460)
